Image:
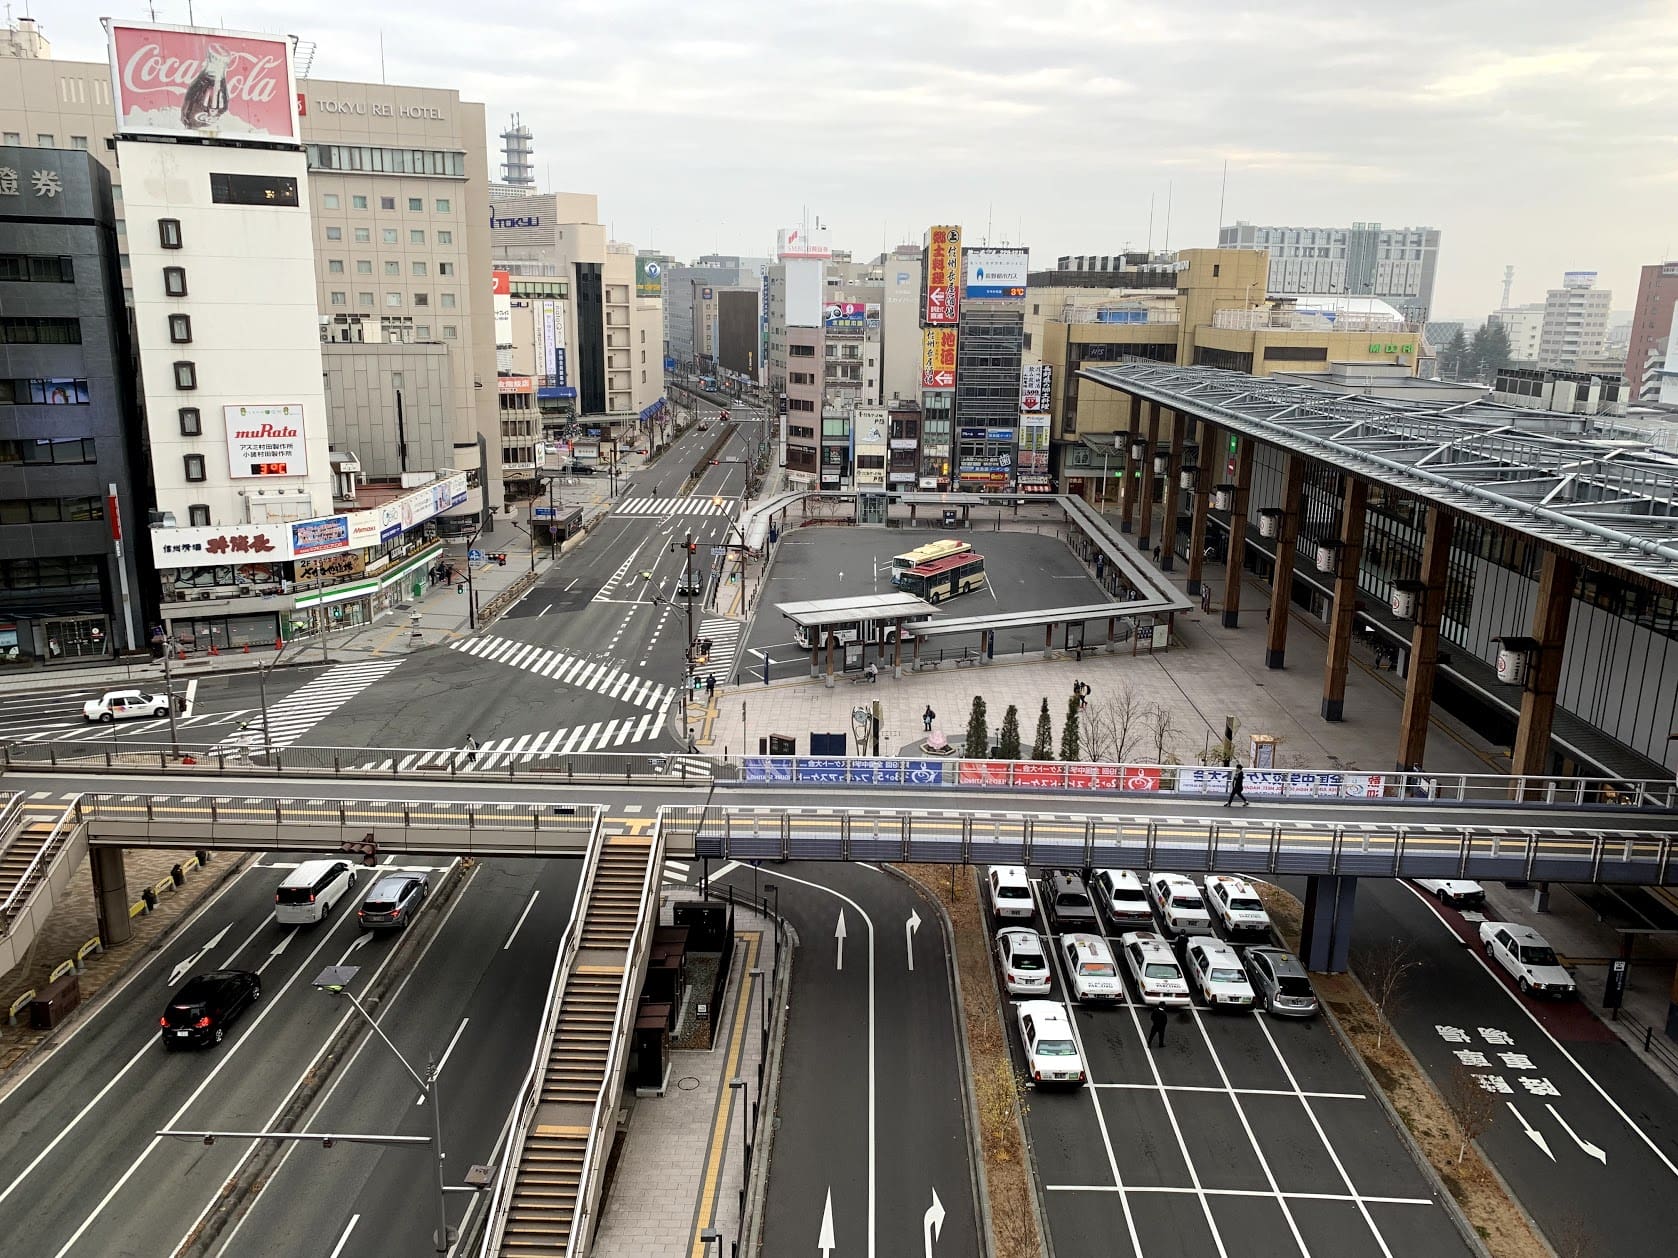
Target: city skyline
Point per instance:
(973, 113)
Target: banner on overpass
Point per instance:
(1057, 775)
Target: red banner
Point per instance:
(1039, 773)
(943, 275)
(984, 772)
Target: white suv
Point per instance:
(1180, 907)
(1237, 905)
(1158, 977)
(1090, 966)
(1010, 892)
(1527, 956)
(1051, 1054)
(1216, 970)
(1120, 895)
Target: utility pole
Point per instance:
(687, 655)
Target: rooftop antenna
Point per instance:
(1223, 187)
(382, 78)
(1168, 186)
(1151, 196)
(989, 214)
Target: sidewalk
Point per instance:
(680, 1162)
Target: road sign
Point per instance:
(544, 513)
(1615, 992)
(718, 550)
(474, 556)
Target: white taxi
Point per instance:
(1091, 970)
(1216, 970)
(1051, 1054)
(1528, 957)
(119, 705)
(1024, 964)
(1237, 905)
(1158, 977)
(1180, 907)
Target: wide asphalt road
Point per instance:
(872, 1112)
(1585, 1135)
(81, 1170)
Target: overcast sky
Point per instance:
(1538, 133)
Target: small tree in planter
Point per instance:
(1043, 746)
(978, 731)
(1009, 739)
(1069, 732)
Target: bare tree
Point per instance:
(1472, 1107)
(1386, 969)
(1161, 723)
(1112, 725)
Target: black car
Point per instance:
(206, 1006)
(394, 899)
(1069, 905)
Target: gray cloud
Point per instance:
(1529, 131)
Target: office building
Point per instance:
(397, 185)
(684, 291)
(1524, 326)
(1575, 325)
(1651, 327)
(74, 580)
(1396, 264)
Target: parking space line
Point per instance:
(1252, 1139)
(1095, 1097)
(1322, 1135)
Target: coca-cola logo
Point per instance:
(249, 77)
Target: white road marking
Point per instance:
(530, 905)
(345, 1238)
(444, 1059)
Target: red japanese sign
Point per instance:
(943, 276)
(177, 80)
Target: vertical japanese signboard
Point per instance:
(943, 276)
(938, 358)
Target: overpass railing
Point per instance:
(426, 764)
(339, 825)
(1480, 851)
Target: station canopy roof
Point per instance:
(1549, 476)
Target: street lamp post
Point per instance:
(334, 981)
(738, 1086)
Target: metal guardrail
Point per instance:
(11, 812)
(524, 1105)
(1376, 849)
(1655, 1041)
(395, 763)
(528, 829)
(43, 859)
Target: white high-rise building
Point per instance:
(1575, 321)
(1524, 325)
(1396, 264)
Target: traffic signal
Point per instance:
(692, 547)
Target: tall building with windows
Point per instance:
(1396, 264)
(1651, 327)
(74, 581)
(1575, 328)
(397, 185)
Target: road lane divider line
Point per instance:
(345, 1238)
(339, 1074)
(530, 904)
(227, 1057)
(444, 1059)
(261, 926)
(723, 1118)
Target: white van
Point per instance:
(311, 891)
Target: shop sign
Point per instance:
(317, 537)
(190, 547)
(331, 568)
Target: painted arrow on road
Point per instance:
(839, 934)
(285, 942)
(1589, 1149)
(825, 1241)
(933, 1224)
(179, 972)
(1537, 1136)
(909, 929)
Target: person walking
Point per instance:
(1157, 552)
(710, 685)
(471, 750)
(1157, 1022)
(1237, 779)
(928, 717)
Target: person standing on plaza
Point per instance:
(928, 717)
(1156, 1026)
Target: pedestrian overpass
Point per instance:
(544, 1197)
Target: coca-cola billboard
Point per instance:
(208, 84)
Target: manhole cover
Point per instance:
(687, 1083)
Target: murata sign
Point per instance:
(206, 84)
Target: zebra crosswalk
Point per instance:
(688, 504)
(529, 748)
(725, 646)
(600, 676)
(304, 708)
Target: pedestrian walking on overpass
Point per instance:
(1237, 779)
(1156, 1026)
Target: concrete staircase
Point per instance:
(30, 878)
(551, 1199)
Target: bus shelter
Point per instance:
(854, 625)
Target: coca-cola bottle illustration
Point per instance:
(206, 99)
